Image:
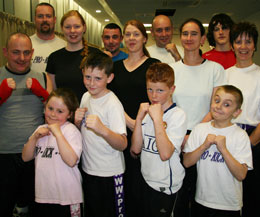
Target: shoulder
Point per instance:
(59, 52)
(93, 50)
(152, 60)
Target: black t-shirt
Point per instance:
(65, 65)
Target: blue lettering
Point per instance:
(204, 155)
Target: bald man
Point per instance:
(164, 49)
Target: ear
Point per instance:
(236, 113)
(172, 89)
(110, 78)
(5, 51)
(84, 28)
(202, 40)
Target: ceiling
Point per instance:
(120, 11)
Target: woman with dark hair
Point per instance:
(63, 65)
(246, 76)
(129, 85)
(219, 37)
(196, 81)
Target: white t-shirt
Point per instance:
(98, 157)
(216, 187)
(162, 54)
(55, 181)
(42, 50)
(194, 87)
(248, 81)
(164, 176)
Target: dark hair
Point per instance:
(160, 72)
(113, 26)
(99, 60)
(69, 98)
(19, 34)
(244, 27)
(196, 21)
(45, 4)
(83, 22)
(233, 91)
(222, 19)
(139, 25)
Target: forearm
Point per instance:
(207, 118)
(28, 152)
(164, 145)
(191, 158)
(68, 155)
(137, 138)
(130, 123)
(255, 136)
(115, 140)
(237, 169)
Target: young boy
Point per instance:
(223, 156)
(158, 134)
(219, 37)
(102, 122)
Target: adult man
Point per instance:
(164, 49)
(218, 37)
(21, 112)
(44, 40)
(112, 38)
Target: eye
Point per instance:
(226, 105)
(49, 16)
(87, 77)
(115, 36)
(167, 29)
(106, 37)
(159, 91)
(185, 33)
(98, 78)
(40, 16)
(158, 30)
(149, 90)
(128, 34)
(50, 108)
(217, 100)
(194, 33)
(60, 111)
(27, 53)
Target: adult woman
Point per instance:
(129, 85)
(246, 76)
(195, 79)
(63, 65)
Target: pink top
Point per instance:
(55, 181)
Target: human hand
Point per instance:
(55, 129)
(11, 83)
(220, 142)
(29, 83)
(143, 109)
(173, 50)
(156, 112)
(41, 132)
(80, 114)
(93, 122)
(210, 140)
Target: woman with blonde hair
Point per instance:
(63, 65)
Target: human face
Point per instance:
(134, 39)
(44, 20)
(18, 53)
(96, 81)
(160, 93)
(73, 30)
(244, 48)
(191, 38)
(221, 35)
(112, 39)
(162, 31)
(224, 108)
(56, 111)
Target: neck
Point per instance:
(192, 58)
(136, 56)
(115, 53)
(46, 36)
(74, 47)
(223, 47)
(221, 124)
(244, 64)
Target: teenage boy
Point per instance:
(158, 134)
(219, 37)
(102, 123)
(223, 155)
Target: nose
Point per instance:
(21, 56)
(163, 32)
(220, 30)
(110, 40)
(243, 44)
(154, 94)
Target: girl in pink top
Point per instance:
(56, 147)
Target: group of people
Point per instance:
(157, 131)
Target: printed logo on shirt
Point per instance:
(45, 153)
(39, 59)
(150, 144)
(215, 157)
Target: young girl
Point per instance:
(56, 147)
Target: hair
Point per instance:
(139, 25)
(45, 4)
(76, 14)
(99, 60)
(160, 72)
(196, 21)
(113, 26)
(233, 91)
(69, 98)
(19, 34)
(222, 19)
(244, 27)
